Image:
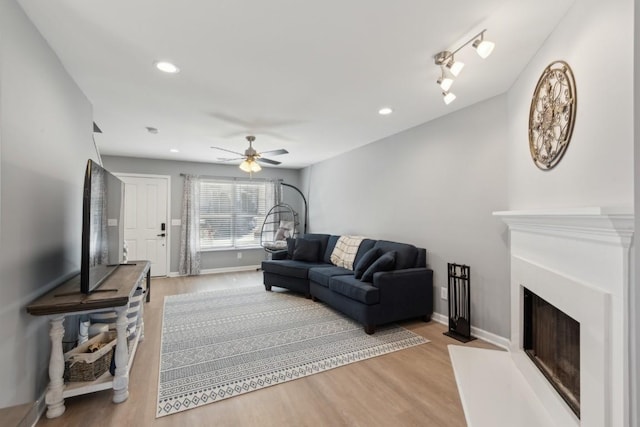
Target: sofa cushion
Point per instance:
(365, 245)
(365, 262)
(354, 289)
(386, 262)
(291, 247)
(406, 254)
(322, 238)
(331, 244)
(306, 250)
(289, 267)
(323, 275)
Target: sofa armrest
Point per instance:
(279, 255)
(406, 292)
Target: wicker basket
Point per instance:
(80, 365)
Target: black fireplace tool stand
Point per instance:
(459, 296)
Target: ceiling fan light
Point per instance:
(255, 167)
(483, 47)
(445, 83)
(245, 166)
(449, 97)
(167, 67)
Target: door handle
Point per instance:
(161, 234)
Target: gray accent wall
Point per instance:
(634, 308)
(435, 186)
(46, 134)
(210, 259)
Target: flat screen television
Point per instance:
(102, 226)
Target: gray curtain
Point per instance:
(274, 196)
(277, 191)
(190, 233)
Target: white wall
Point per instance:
(596, 39)
(210, 259)
(45, 129)
(434, 186)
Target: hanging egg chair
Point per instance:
(280, 223)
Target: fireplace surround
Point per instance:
(578, 261)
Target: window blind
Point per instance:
(232, 212)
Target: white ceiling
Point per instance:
(307, 76)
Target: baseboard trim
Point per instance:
(489, 337)
(221, 270)
(36, 411)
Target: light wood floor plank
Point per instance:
(411, 387)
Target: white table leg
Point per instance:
(140, 323)
(53, 398)
(121, 379)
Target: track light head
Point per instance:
(446, 59)
(455, 67)
(445, 83)
(448, 97)
(483, 47)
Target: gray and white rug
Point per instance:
(221, 344)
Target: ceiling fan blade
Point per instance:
(220, 159)
(228, 151)
(269, 161)
(275, 152)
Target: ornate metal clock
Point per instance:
(552, 115)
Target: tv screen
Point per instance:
(102, 226)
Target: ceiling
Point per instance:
(307, 76)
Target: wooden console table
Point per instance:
(114, 295)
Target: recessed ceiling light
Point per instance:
(174, 150)
(385, 111)
(167, 67)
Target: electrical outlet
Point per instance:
(443, 293)
(239, 255)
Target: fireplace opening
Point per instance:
(552, 341)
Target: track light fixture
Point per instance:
(444, 81)
(446, 61)
(455, 67)
(483, 47)
(448, 97)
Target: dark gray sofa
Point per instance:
(403, 292)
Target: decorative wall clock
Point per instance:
(552, 115)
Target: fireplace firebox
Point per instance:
(552, 340)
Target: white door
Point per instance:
(146, 230)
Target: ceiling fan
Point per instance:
(251, 157)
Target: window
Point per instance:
(232, 212)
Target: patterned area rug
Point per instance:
(221, 344)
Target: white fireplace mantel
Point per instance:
(612, 225)
(578, 260)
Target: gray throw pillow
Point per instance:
(307, 250)
(365, 262)
(385, 263)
